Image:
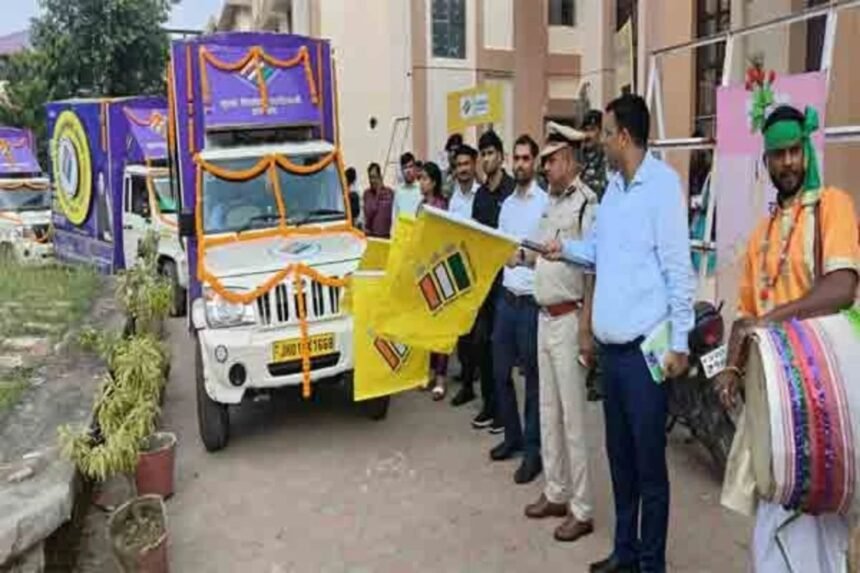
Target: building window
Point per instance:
(562, 13)
(449, 29)
(712, 17)
(627, 10)
(815, 28)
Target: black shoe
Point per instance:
(497, 427)
(528, 470)
(482, 420)
(504, 451)
(611, 565)
(463, 396)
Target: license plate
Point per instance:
(714, 361)
(288, 350)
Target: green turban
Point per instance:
(786, 133)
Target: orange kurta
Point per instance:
(840, 249)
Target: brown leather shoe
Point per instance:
(572, 529)
(545, 508)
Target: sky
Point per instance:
(191, 14)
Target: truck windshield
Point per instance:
(25, 200)
(230, 206)
(164, 195)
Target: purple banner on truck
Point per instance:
(248, 86)
(148, 130)
(16, 152)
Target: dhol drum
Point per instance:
(803, 410)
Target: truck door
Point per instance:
(135, 215)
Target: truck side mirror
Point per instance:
(187, 225)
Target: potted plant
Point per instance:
(137, 531)
(127, 404)
(156, 465)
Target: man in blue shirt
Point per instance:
(640, 249)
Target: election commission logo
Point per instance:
(70, 156)
(446, 278)
(394, 354)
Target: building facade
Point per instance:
(401, 58)
(552, 59)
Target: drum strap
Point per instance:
(817, 241)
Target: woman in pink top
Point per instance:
(430, 181)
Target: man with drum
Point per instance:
(801, 261)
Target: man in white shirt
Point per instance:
(516, 322)
(407, 197)
(466, 184)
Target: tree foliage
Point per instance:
(86, 48)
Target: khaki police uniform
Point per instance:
(559, 291)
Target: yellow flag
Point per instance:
(398, 251)
(382, 366)
(375, 255)
(446, 271)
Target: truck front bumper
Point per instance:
(31, 252)
(230, 352)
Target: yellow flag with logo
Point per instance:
(375, 254)
(398, 251)
(435, 291)
(382, 366)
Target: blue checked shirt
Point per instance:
(640, 248)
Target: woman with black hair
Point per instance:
(430, 182)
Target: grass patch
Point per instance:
(12, 385)
(44, 300)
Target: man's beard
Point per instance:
(522, 178)
(790, 188)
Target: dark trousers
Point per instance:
(515, 343)
(475, 353)
(635, 413)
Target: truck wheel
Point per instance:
(169, 271)
(7, 253)
(213, 419)
(374, 409)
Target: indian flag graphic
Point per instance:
(249, 72)
(445, 280)
(395, 354)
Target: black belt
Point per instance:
(518, 300)
(624, 346)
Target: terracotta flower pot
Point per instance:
(156, 464)
(137, 531)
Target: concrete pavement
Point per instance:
(312, 486)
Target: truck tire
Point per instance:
(7, 253)
(170, 272)
(213, 418)
(375, 409)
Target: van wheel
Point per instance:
(169, 271)
(213, 418)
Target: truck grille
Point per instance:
(281, 304)
(41, 231)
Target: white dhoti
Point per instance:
(813, 543)
(562, 414)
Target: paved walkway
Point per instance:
(314, 487)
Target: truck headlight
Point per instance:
(221, 313)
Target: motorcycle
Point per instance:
(693, 399)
